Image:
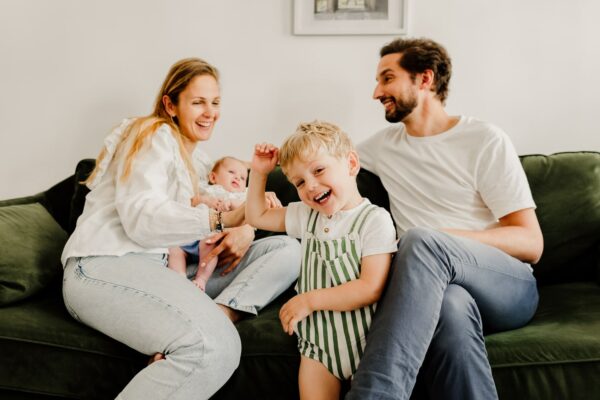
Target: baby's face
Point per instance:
(231, 174)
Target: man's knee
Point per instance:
(459, 324)
(418, 239)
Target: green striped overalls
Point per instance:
(334, 338)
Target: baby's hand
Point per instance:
(223, 205)
(272, 200)
(265, 158)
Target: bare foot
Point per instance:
(156, 357)
(232, 314)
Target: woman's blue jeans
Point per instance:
(443, 293)
(138, 301)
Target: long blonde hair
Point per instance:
(179, 77)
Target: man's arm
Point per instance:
(518, 235)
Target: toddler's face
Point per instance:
(231, 174)
(325, 183)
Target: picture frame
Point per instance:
(350, 17)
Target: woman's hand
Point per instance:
(231, 246)
(264, 159)
(294, 311)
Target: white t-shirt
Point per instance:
(465, 178)
(377, 236)
(148, 212)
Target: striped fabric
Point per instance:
(336, 339)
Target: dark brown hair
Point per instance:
(421, 54)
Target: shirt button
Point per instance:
(326, 230)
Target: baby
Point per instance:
(347, 247)
(225, 191)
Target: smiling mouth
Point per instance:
(322, 197)
(204, 124)
(388, 103)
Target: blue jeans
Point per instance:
(443, 292)
(138, 301)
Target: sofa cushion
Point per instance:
(31, 243)
(566, 189)
(45, 351)
(555, 356)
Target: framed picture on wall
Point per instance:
(350, 17)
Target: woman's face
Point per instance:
(198, 109)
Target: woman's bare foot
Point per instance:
(156, 357)
(232, 314)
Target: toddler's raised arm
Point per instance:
(257, 213)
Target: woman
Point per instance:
(116, 279)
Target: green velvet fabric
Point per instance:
(45, 351)
(270, 359)
(566, 189)
(557, 355)
(31, 242)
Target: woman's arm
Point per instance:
(147, 213)
(351, 295)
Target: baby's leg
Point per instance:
(177, 260)
(316, 382)
(204, 274)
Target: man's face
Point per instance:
(395, 89)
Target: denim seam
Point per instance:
(456, 260)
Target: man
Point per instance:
(468, 232)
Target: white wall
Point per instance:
(72, 69)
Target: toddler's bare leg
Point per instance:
(316, 382)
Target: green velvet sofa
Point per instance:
(45, 354)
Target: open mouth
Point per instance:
(204, 124)
(388, 103)
(322, 198)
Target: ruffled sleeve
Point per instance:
(149, 215)
(202, 162)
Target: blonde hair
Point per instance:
(177, 80)
(309, 138)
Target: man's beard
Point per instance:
(402, 108)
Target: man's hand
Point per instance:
(294, 311)
(265, 158)
(231, 245)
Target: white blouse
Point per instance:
(147, 212)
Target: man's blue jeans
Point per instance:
(443, 292)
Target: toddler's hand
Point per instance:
(295, 310)
(272, 200)
(265, 158)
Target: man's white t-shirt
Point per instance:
(465, 178)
